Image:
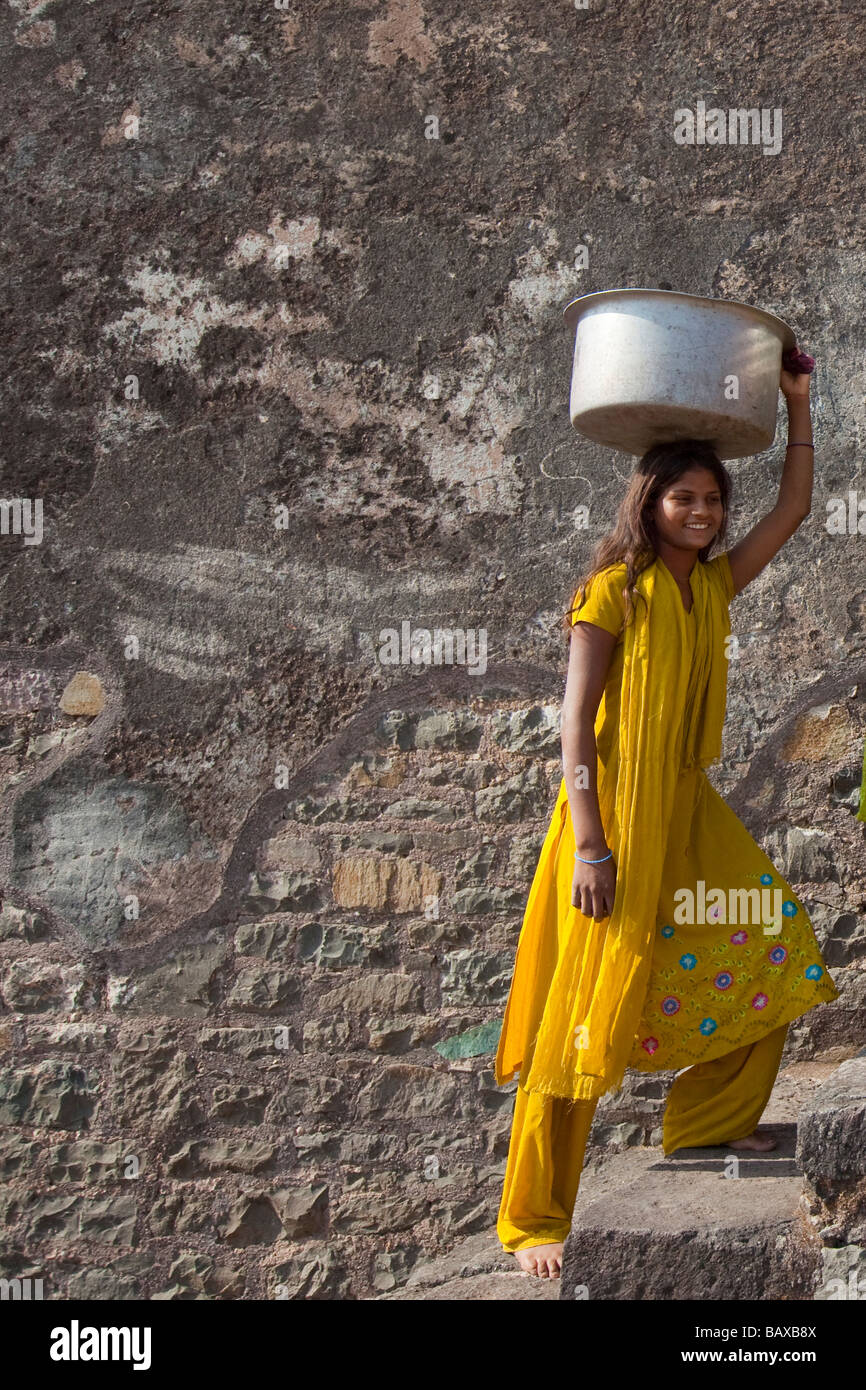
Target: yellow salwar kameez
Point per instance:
(727, 968)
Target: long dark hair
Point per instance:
(633, 538)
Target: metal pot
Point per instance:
(652, 366)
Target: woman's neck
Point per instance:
(679, 562)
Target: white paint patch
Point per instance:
(29, 8)
(125, 424)
(176, 313)
(485, 475)
(299, 236)
(537, 289)
(295, 240)
(487, 480)
(249, 247)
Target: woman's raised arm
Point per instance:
(749, 556)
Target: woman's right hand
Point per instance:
(593, 888)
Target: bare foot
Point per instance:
(545, 1261)
(758, 1142)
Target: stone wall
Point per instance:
(290, 1095)
(286, 369)
(831, 1152)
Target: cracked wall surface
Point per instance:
(285, 362)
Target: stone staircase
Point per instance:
(703, 1223)
(697, 1224)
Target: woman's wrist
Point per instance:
(591, 849)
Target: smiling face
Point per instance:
(689, 512)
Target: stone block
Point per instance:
(86, 1160)
(20, 924)
(386, 993)
(83, 695)
(261, 1218)
(409, 1092)
(238, 1104)
(51, 1095)
(200, 1157)
(32, 985)
(246, 1043)
(831, 1132)
(263, 989)
(314, 1274)
(476, 977)
(280, 890)
(681, 1231)
(516, 798)
(534, 730)
(179, 987)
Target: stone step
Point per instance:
(694, 1225)
(698, 1223)
(477, 1269)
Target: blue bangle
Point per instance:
(609, 855)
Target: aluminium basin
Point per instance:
(653, 366)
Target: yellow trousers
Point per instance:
(711, 1103)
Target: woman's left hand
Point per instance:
(795, 385)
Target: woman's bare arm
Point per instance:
(794, 503)
(589, 659)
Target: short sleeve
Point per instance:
(603, 604)
(721, 565)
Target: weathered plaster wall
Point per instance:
(285, 372)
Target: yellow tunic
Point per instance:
(715, 984)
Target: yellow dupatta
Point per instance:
(671, 717)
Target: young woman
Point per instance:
(657, 934)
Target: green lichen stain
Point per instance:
(475, 1042)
